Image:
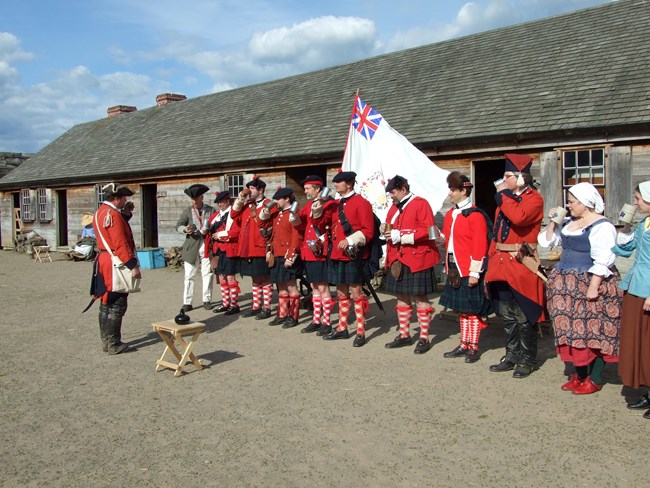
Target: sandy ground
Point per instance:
(279, 408)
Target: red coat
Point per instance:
(306, 228)
(415, 218)
(469, 239)
(228, 242)
(525, 214)
(251, 242)
(358, 211)
(285, 238)
(110, 222)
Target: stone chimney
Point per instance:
(165, 98)
(119, 110)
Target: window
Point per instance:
(99, 194)
(26, 211)
(44, 203)
(235, 184)
(584, 165)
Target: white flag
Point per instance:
(376, 152)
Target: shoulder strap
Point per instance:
(347, 228)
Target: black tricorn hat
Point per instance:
(344, 176)
(116, 190)
(256, 183)
(312, 180)
(282, 193)
(196, 190)
(221, 195)
(396, 181)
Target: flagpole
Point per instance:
(354, 106)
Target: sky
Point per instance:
(65, 62)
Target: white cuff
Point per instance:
(475, 266)
(474, 274)
(294, 219)
(238, 204)
(408, 239)
(395, 236)
(265, 214)
(357, 239)
(222, 234)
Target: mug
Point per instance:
(293, 207)
(498, 182)
(626, 215)
(324, 193)
(434, 233)
(559, 215)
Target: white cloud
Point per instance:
(10, 49)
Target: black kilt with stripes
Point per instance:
(465, 299)
(316, 271)
(418, 283)
(345, 272)
(254, 267)
(280, 273)
(227, 266)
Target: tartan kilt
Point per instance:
(418, 283)
(466, 299)
(345, 272)
(254, 267)
(280, 273)
(316, 271)
(227, 266)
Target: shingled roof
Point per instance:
(580, 73)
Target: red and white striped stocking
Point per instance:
(225, 293)
(234, 293)
(344, 312)
(404, 313)
(464, 330)
(257, 296)
(476, 325)
(283, 304)
(360, 308)
(268, 295)
(327, 309)
(294, 306)
(316, 303)
(424, 319)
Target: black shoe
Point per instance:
(232, 311)
(264, 313)
(120, 348)
(251, 313)
(422, 347)
(504, 365)
(399, 341)
(337, 334)
(641, 404)
(312, 327)
(324, 330)
(472, 356)
(522, 371)
(359, 340)
(220, 308)
(187, 308)
(277, 320)
(207, 305)
(646, 415)
(289, 322)
(456, 352)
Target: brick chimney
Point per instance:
(165, 98)
(119, 110)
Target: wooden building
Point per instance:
(572, 91)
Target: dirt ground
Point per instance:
(277, 408)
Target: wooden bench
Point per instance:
(172, 334)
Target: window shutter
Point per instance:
(618, 190)
(49, 205)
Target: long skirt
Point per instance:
(584, 329)
(634, 362)
(466, 299)
(254, 267)
(280, 273)
(419, 283)
(227, 266)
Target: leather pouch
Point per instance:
(453, 277)
(396, 270)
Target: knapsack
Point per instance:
(371, 266)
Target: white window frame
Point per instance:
(584, 164)
(26, 206)
(235, 184)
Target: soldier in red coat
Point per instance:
(253, 246)
(314, 250)
(284, 253)
(224, 239)
(516, 291)
(410, 258)
(352, 226)
(465, 232)
(111, 226)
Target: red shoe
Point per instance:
(587, 387)
(573, 383)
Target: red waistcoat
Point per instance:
(469, 239)
(251, 242)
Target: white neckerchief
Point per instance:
(408, 195)
(347, 195)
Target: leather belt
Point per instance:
(514, 247)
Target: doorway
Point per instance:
(485, 172)
(61, 218)
(296, 175)
(149, 215)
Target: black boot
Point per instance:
(528, 345)
(103, 328)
